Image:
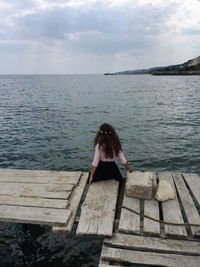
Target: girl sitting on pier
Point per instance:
(107, 149)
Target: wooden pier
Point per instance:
(53, 197)
(41, 197)
(139, 240)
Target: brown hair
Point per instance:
(108, 139)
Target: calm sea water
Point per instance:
(49, 122)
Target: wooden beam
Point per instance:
(151, 209)
(129, 221)
(148, 258)
(193, 181)
(34, 215)
(153, 244)
(35, 176)
(36, 190)
(34, 202)
(98, 209)
(39, 173)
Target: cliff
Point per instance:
(191, 67)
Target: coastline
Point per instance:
(159, 73)
(181, 73)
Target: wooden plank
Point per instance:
(74, 201)
(153, 244)
(36, 190)
(151, 209)
(129, 221)
(103, 263)
(148, 258)
(34, 215)
(188, 204)
(171, 211)
(34, 202)
(98, 209)
(193, 181)
(38, 173)
(53, 195)
(108, 265)
(27, 176)
(22, 187)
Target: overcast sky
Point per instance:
(88, 36)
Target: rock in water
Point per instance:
(164, 191)
(139, 185)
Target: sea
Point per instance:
(48, 122)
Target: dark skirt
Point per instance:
(106, 171)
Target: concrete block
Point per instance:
(139, 185)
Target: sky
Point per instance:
(96, 36)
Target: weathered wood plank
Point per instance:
(108, 265)
(103, 263)
(193, 180)
(188, 204)
(149, 258)
(151, 209)
(98, 209)
(34, 215)
(129, 221)
(34, 176)
(74, 201)
(171, 211)
(36, 190)
(12, 187)
(34, 202)
(53, 195)
(38, 173)
(154, 244)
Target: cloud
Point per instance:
(112, 29)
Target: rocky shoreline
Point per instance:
(183, 73)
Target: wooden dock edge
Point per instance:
(124, 249)
(74, 201)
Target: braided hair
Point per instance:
(108, 139)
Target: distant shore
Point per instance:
(161, 73)
(183, 73)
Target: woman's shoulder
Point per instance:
(98, 146)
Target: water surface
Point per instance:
(49, 122)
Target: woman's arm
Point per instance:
(95, 162)
(92, 174)
(127, 167)
(124, 161)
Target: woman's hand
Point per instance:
(126, 165)
(91, 178)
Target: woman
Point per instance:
(107, 149)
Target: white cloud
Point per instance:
(76, 36)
